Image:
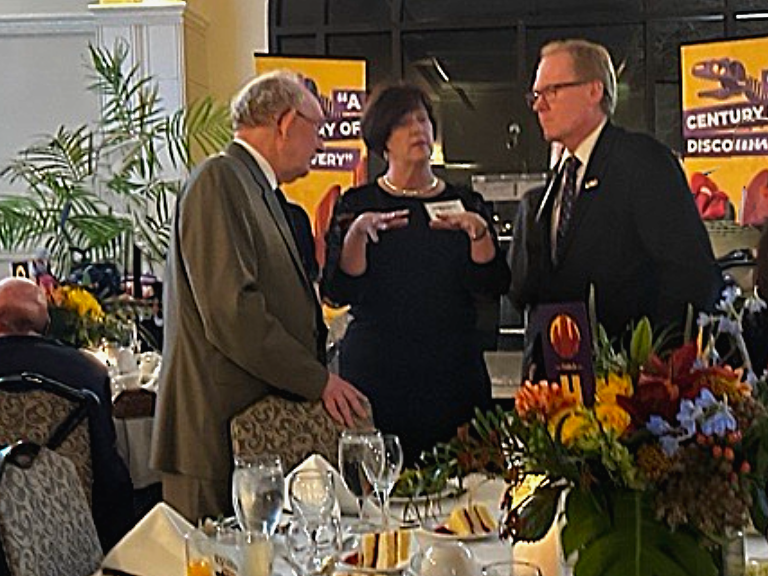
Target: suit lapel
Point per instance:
(591, 184)
(547, 198)
(273, 204)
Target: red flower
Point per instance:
(662, 384)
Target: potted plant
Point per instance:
(96, 191)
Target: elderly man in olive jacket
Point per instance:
(242, 317)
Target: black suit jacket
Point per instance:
(112, 488)
(635, 235)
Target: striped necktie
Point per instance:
(567, 202)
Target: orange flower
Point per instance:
(542, 401)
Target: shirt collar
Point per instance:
(269, 173)
(584, 150)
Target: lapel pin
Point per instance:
(589, 184)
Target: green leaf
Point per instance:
(641, 344)
(631, 542)
(587, 520)
(536, 514)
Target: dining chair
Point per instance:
(46, 528)
(49, 413)
(291, 429)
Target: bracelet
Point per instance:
(480, 235)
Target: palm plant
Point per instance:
(100, 190)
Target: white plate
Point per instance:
(345, 567)
(451, 490)
(430, 529)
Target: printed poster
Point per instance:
(341, 86)
(725, 123)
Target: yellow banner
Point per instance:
(725, 124)
(341, 86)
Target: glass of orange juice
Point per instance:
(198, 549)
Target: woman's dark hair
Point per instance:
(386, 107)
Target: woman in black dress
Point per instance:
(412, 254)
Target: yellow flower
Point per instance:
(612, 417)
(82, 302)
(608, 388)
(578, 424)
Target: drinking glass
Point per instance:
(313, 537)
(242, 553)
(257, 492)
(382, 464)
(353, 446)
(312, 495)
(312, 548)
(199, 554)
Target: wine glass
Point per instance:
(312, 495)
(313, 536)
(382, 465)
(257, 492)
(353, 446)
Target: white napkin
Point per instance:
(347, 500)
(154, 547)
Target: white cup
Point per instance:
(127, 361)
(447, 559)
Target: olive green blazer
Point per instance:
(241, 316)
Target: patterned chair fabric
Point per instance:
(50, 414)
(290, 429)
(46, 528)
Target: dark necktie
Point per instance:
(567, 202)
(322, 332)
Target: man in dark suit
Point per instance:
(621, 220)
(23, 319)
(242, 319)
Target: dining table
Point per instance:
(155, 547)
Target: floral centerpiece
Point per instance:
(652, 478)
(78, 318)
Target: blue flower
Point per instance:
(704, 320)
(729, 295)
(754, 304)
(728, 326)
(658, 426)
(719, 423)
(688, 415)
(706, 399)
(669, 444)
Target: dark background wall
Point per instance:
(477, 59)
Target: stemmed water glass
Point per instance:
(382, 464)
(313, 536)
(257, 492)
(353, 447)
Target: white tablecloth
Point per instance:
(156, 546)
(134, 439)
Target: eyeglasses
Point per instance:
(549, 93)
(317, 123)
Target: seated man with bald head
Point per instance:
(23, 348)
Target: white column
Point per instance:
(154, 31)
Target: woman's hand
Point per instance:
(369, 224)
(482, 249)
(469, 222)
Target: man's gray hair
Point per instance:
(590, 62)
(265, 98)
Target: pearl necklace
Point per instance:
(410, 191)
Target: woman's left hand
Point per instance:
(471, 223)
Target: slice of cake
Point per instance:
(385, 549)
(471, 520)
